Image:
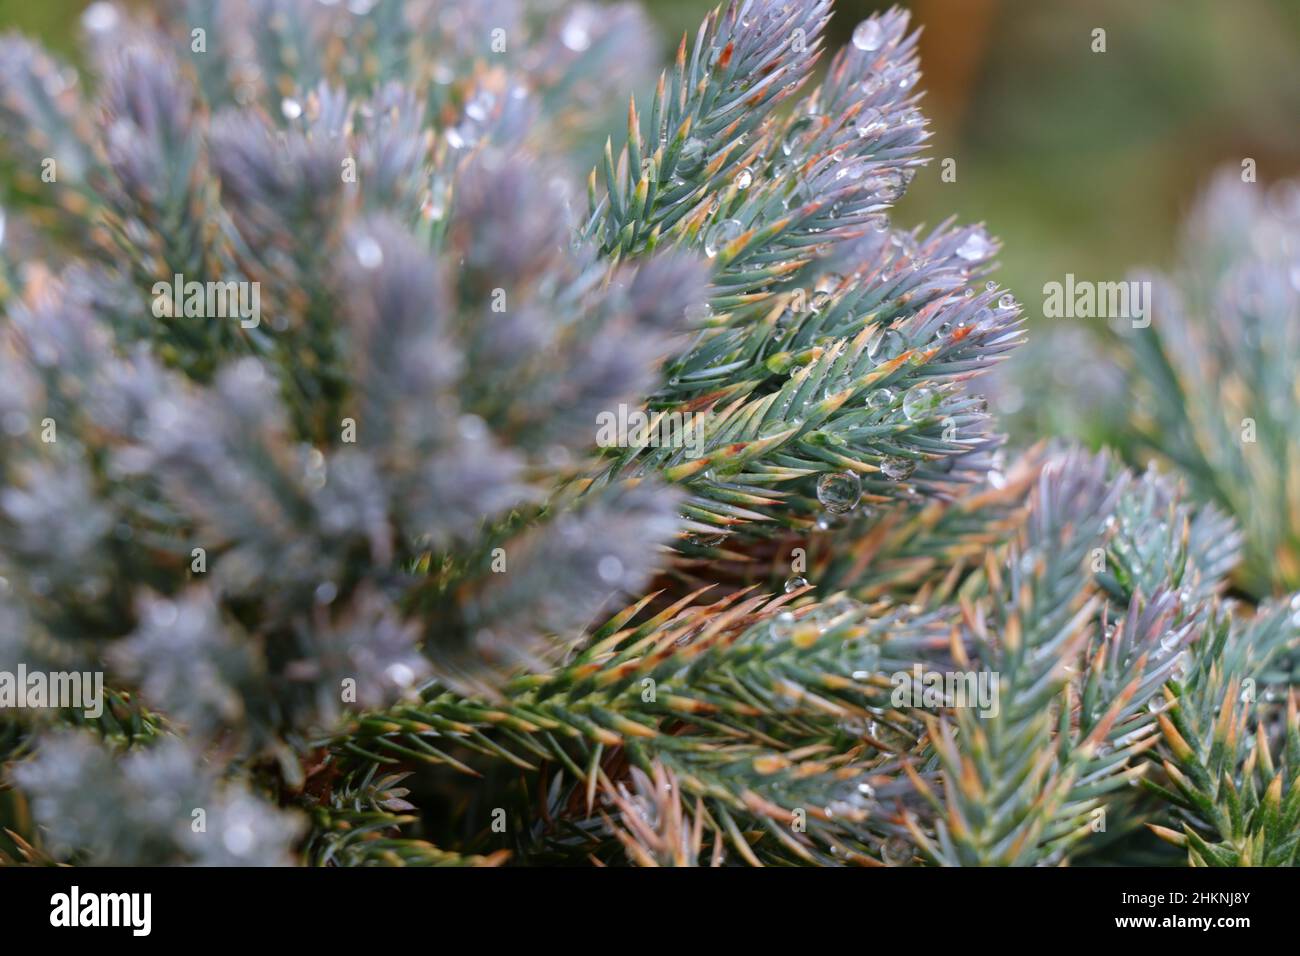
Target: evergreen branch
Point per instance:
(870, 326)
(1238, 806)
(359, 827)
(918, 556)
(748, 57)
(654, 826)
(744, 703)
(1161, 540)
(341, 566)
(1010, 783)
(1213, 378)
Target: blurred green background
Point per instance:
(1081, 162)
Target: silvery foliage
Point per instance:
(264, 521)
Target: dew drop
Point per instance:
(869, 123)
(896, 468)
(574, 34)
(291, 108)
(368, 253)
(868, 35)
(794, 583)
(477, 109)
(895, 851)
(744, 178)
(920, 402)
(458, 137)
(783, 624)
(432, 209)
(975, 247)
(706, 540)
(163, 613)
(888, 186)
(885, 345)
(238, 838)
(698, 312)
(691, 157)
(839, 493)
(100, 17)
(720, 235)
(610, 569)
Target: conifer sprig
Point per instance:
(829, 342)
(343, 558)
